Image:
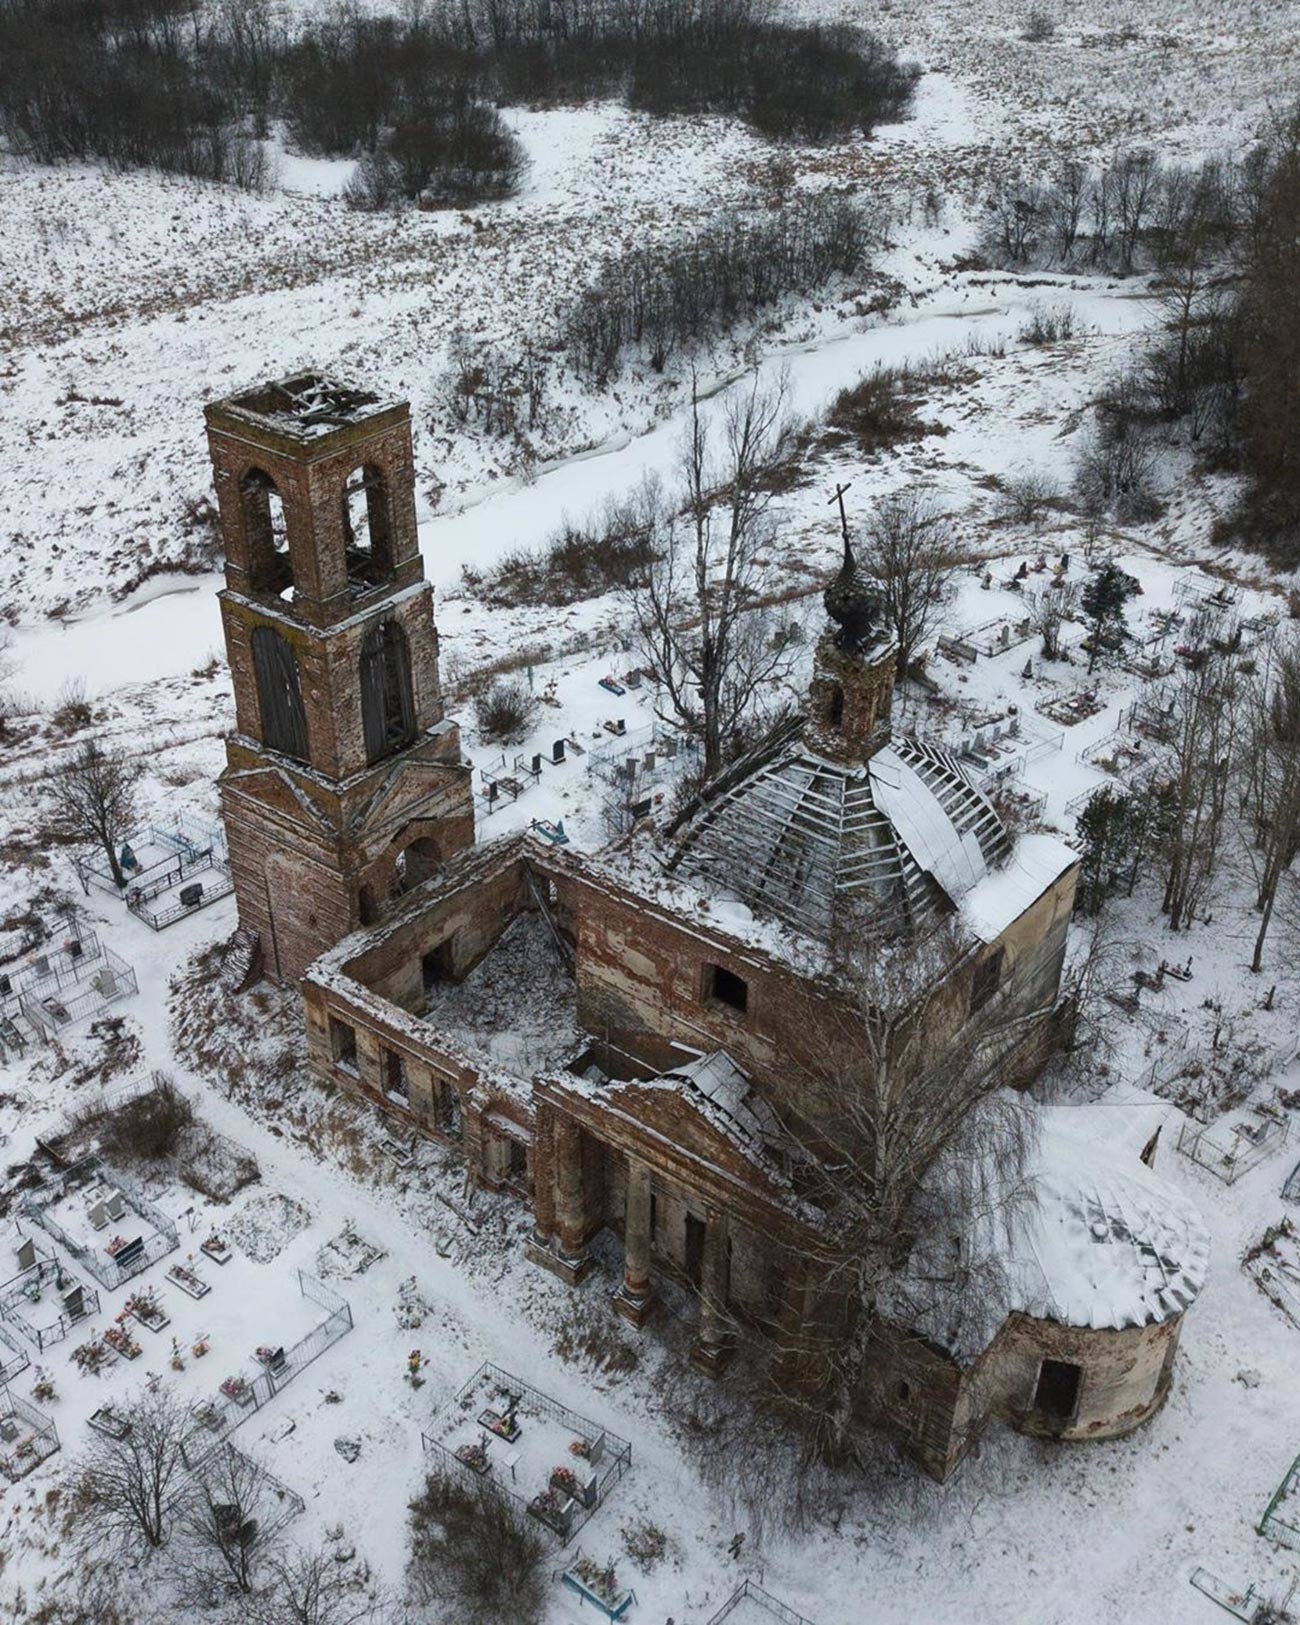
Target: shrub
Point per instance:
(150, 1128)
(1049, 325)
(1027, 498)
(1040, 26)
(880, 410)
(72, 710)
(504, 712)
(611, 552)
(474, 1547)
(666, 297)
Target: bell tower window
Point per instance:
(835, 710)
(387, 703)
(367, 542)
(266, 535)
(284, 722)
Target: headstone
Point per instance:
(27, 1255)
(191, 896)
(641, 809)
(557, 751)
(537, 765)
(74, 1303)
(130, 1254)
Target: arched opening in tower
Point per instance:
(387, 702)
(366, 532)
(266, 535)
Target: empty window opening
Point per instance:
(366, 538)
(266, 535)
(449, 1111)
(343, 1044)
(416, 863)
(275, 667)
(367, 908)
(387, 703)
(395, 1084)
(518, 1164)
(435, 966)
(728, 988)
(836, 709)
(986, 981)
(1057, 1394)
(695, 1229)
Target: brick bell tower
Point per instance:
(343, 783)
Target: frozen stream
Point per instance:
(173, 625)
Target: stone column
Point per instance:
(544, 1178)
(570, 1207)
(635, 1298)
(712, 1349)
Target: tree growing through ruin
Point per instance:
(125, 1492)
(714, 648)
(918, 1149)
(909, 549)
(94, 800)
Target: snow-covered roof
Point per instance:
(1103, 1242)
(802, 836)
(1002, 895)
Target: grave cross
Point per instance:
(840, 491)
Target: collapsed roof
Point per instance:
(802, 836)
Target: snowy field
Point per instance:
(127, 301)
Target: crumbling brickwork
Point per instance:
(343, 779)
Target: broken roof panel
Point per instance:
(800, 836)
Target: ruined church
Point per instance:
(667, 994)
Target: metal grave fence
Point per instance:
(111, 1271)
(1228, 1153)
(750, 1590)
(27, 1436)
(610, 1453)
(216, 1419)
(27, 1299)
(1281, 1520)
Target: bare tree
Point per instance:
(702, 628)
(475, 1547)
(315, 1588)
(1273, 781)
(224, 1514)
(94, 800)
(916, 1149)
(909, 549)
(126, 1490)
(1049, 610)
(1193, 776)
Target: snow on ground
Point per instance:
(126, 301)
